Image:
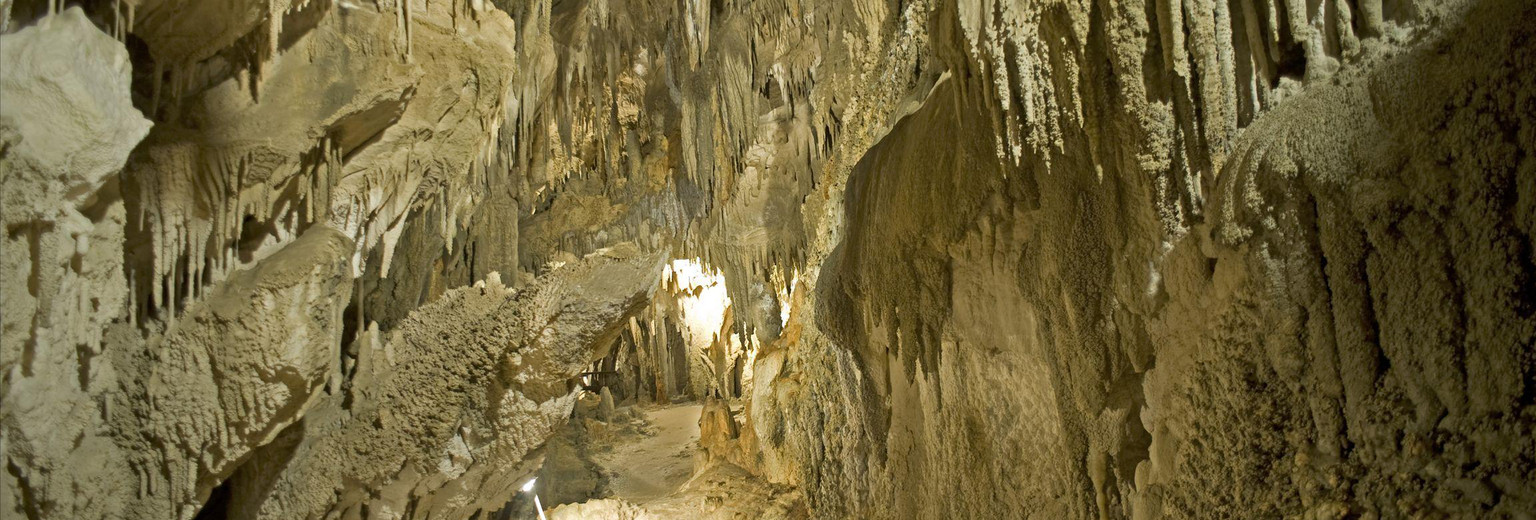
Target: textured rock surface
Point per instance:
(66, 128)
(441, 415)
(1042, 258)
(240, 367)
(1138, 320)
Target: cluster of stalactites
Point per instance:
(207, 211)
(195, 207)
(1218, 65)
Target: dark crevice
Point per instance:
(217, 505)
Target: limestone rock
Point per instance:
(605, 407)
(441, 415)
(66, 128)
(951, 258)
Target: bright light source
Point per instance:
(702, 299)
(529, 486)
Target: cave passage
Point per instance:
(780, 259)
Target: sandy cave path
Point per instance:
(659, 474)
(644, 468)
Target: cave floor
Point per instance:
(655, 469)
(646, 467)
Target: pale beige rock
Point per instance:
(441, 414)
(983, 259)
(246, 363)
(66, 128)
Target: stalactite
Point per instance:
(154, 104)
(409, 30)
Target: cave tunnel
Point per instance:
(783, 259)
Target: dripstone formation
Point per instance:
(1142, 259)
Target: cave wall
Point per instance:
(218, 211)
(444, 415)
(62, 251)
(1207, 282)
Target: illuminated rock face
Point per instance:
(955, 258)
(66, 127)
